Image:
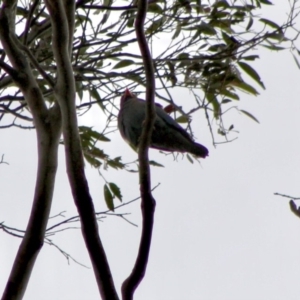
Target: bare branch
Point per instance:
(148, 203)
(14, 112)
(9, 70)
(64, 253)
(287, 196)
(62, 27)
(29, 19)
(12, 231)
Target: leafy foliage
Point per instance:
(204, 46)
(111, 191)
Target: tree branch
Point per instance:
(148, 203)
(14, 112)
(48, 128)
(8, 69)
(62, 28)
(33, 7)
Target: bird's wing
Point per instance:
(164, 117)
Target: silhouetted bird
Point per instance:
(167, 134)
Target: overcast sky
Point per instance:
(219, 233)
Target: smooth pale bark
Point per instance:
(48, 130)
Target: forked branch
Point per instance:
(62, 21)
(48, 129)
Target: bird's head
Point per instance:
(127, 95)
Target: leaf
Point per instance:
(94, 162)
(221, 3)
(250, 57)
(223, 24)
(230, 95)
(183, 56)
(277, 36)
(155, 164)
(221, 132)
(226, 38)
(220, 15)
(116, 190)
(107, 12)
(196, 35)
(123, 63)
(132, 171)
(95, 94)
(246, 87)
(206, 29)
(155, 26)
(130, 22)
(251, 72)
(211, 97)
(267, 2)
(216, 106)
(224, 101)
(108, 198)
(189, 158)
(217, 47)
(273, 47)
(182, 119)
(89, 133)
(96, 152)
(250, 23)
(199, 8)
(116, 163)
(155, 8)
(79, 89)
(249, 115)
(177, 32)
(269, 23)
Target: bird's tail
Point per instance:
(199, 150)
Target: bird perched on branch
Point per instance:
(167, 134)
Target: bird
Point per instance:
(167, 134)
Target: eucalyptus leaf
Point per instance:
(252, 73)
(116, 190)
(123, 63)
(249, 115)
(108, 197)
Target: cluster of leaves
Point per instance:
(92, 153)
(207, 48)
(111, 191)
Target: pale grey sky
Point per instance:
(219, 233)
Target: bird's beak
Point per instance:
(127, 93)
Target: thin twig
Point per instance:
(65, 254)
(287, 196)
(2, 160)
